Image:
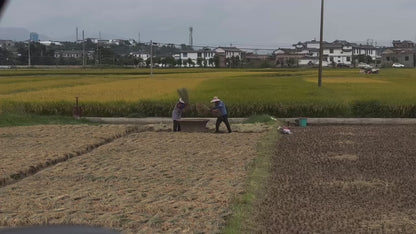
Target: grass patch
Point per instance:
(242, 209)
(9, 120)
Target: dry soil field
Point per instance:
(345, 179)
(121, 177)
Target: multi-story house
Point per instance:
(290, 57)
(314, 44)
(143, 56)
(196, 58)
(227, 54)
(338, 53)
(77, 54)
(367, 50)
(403, 52)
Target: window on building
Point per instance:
(331, 51)
(406, 58)
(348, 59)
(388, 58)
(185, 54)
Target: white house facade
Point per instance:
(368, 50)
(143, 56)
(196, 58)
(229, 52)
(338, 53)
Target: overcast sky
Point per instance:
(251, 23)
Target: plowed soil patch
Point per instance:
(148, 182)
(320, 184)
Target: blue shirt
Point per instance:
(177, 111)
(221, 107)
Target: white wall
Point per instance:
(338, 55)
(369, 52)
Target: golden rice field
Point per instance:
(279, 92)
(121, 88)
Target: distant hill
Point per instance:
(17, 34)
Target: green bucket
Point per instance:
(303, 122)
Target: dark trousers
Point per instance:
(176, 126)
(224, 119)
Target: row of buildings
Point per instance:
(339, 53)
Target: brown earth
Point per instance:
(342, 179)
(141, 182)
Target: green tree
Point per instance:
(235, 61)
(191, 62)
(211, 61)
(199, 61)
(6, 57)
(291, 62)
(170, 61)
(107, 56)
(362, 58)
(216, 60)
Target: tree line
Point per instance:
(123, 54)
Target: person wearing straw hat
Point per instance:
(177, 114)
(222, 116)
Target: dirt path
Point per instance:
(345, 179)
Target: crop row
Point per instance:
(146, 108)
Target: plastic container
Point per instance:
(303, 122)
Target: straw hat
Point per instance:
(215, 99)
(181, 100)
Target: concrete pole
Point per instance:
(151, 58)
(321, 49)
(28, 52)
(83, 49)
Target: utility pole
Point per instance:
(28, 52)
(98, 49)
(151, 58)
(83, 49)
(321, 49)
(191, 39)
